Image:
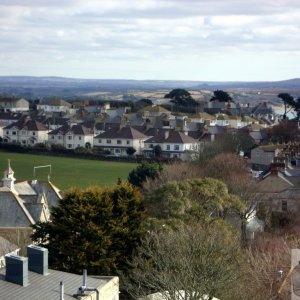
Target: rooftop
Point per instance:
(47, 287)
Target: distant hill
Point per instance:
(40, 87)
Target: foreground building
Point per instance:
(24, 203)
(26, 278)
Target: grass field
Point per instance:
(66, 172)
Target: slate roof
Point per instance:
(127, 132)
(55, 102)
(75, 129)
(46, 287)
(203, 115)
(173, 137)
(156, 109)
(10, 116)
(25, 124)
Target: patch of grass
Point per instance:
(66, 172)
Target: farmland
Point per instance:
(66, 172)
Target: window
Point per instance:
(117, 151)
(79, 138)
(168, 147)
(108, 141)
(99, 141)
(69, 137)
(52, 137)
(119, 142)
(69, 145)
(23, 132)
(7, 132)
(33, 132)
(59, 137)
(284, 205)
(127, 142)
(176, 147)
(14, 132)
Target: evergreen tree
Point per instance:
(221, 96)
(145, 170)
(97, 229)
(181, 97)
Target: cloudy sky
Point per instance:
(216, 40)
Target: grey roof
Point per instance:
(24, 188)
(172, 137)
(55, 102)
(13, 213)
(27, 207)
(75, 129)
(27, 124)
(46, 287)
(122, 133)
(10, 116)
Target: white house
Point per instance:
(71, 137)
(25, 132)
(13, 104)
(54, 105)
(117, 141)
(173, 144)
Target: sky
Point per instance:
(203, 40)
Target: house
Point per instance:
(25, 132)
(71, 137)
(280, 191)
(204, 118)
(117, 141)
(263, 156)
(24, 203)
(54, 105)
(216, 106)
(173, 144)
(11, 104)
(29, 277)
(7, 118)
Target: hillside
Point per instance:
(40, 87)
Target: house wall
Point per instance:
(108, 291)
(73, 141)
(261, 157)
(23, 136)
(291, 196)
(120, 148)
(50, 108)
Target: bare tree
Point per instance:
(196, 261)
(267, 264)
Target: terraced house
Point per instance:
(117, 141)
(71, 137)
(25, 132)
(173, 144)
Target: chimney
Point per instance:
(277, 166)
(37, 259)
(16, 269)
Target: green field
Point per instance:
(65, 172)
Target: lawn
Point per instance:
(66, 172)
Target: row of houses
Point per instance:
(176, 135)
